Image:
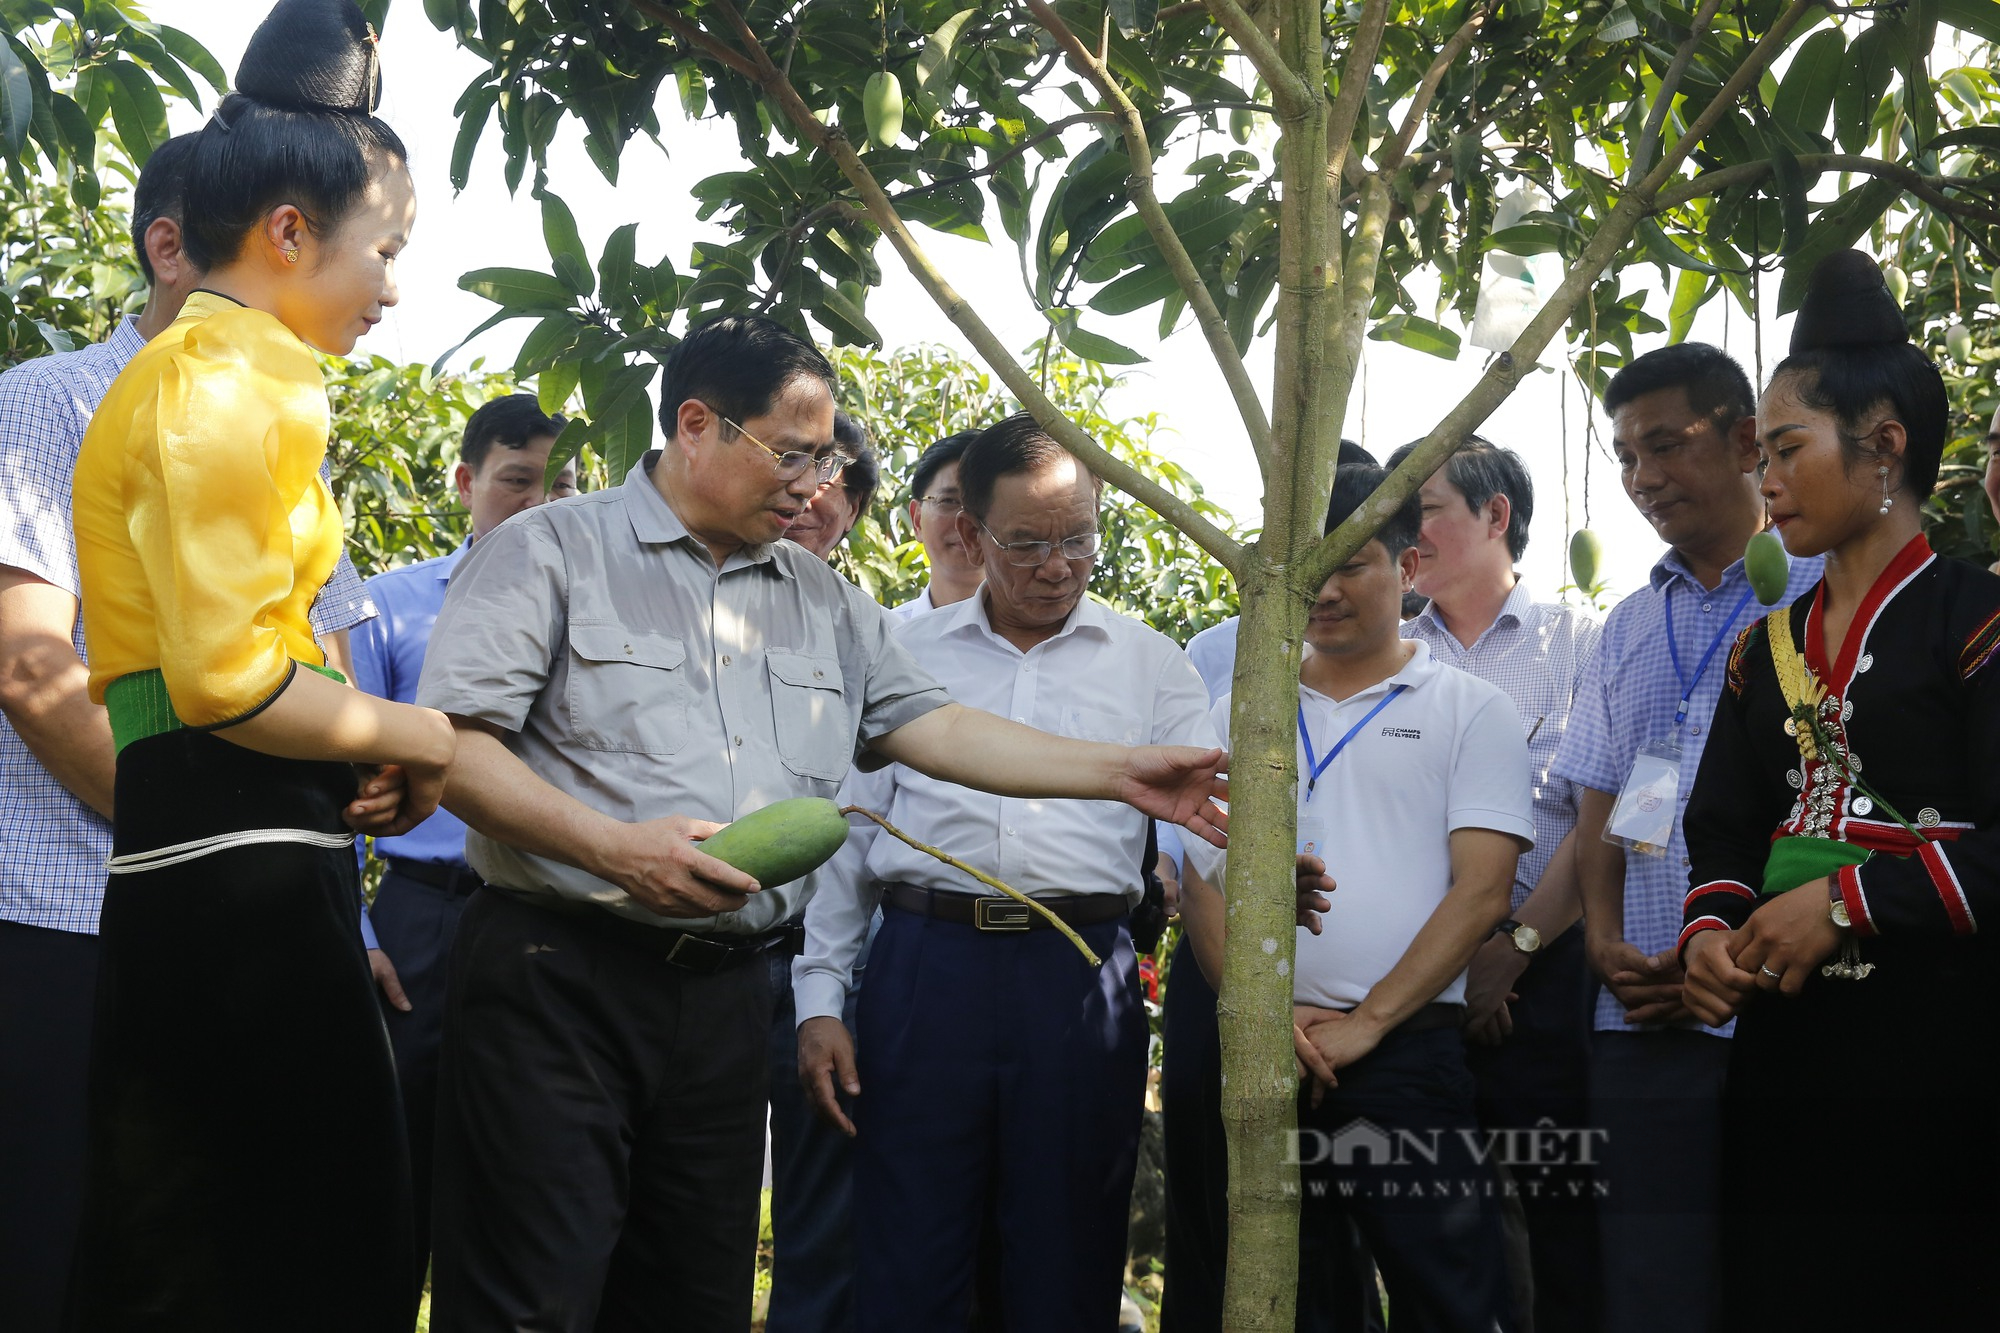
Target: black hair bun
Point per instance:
(1847, 304)
(313, 55)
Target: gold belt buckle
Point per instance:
(999, 914)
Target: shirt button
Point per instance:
(1705, 607)
(1694, 731)
(1022, 720)
(725, 659)
(1684, 862)
(1010, 830)
(739, 740)
(819, 675)
(628, 650)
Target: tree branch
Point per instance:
(694, 36)
(1348, 103)
(1670, 82)
(1505, 371)
(1931, 189)
(1226, 552)
(1420, 105)
(1139, 184)
(1289, 92)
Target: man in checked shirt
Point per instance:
(56, 765)
(1527, 997)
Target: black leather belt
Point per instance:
(684, 949)
(457, 880)
(1001, 914)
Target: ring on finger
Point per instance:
(1766, 970)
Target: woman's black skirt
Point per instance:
(1861, 1158)
(248, 1169)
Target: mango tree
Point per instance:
(1709, 141)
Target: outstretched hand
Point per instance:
(1180, 785)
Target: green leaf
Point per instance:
(518, 289)
(626, 440)
(1136, 290)
(1806, 95)
(554, 386)
(473, 111)
(59, 340)
(1135, 16)
(845, 320)
(1981, 18)
(1789, 183)
(936, 54)
(137, 110)
(1663, 249)
(548, 342)
(1420, 334)
(572, 261)
(17, 100)
(1871, 62)
(443, 14)
(194, 55)
(1986, 137)
(614, 266)
(1691, 289)
(1838, 227)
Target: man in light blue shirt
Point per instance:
(502, 464)
(1685, 435)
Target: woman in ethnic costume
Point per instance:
(248, 1169)
(1844, 840)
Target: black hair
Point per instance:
(300, 129)
(1481, 470)
(510, 422)
(864, 474)
(736, 364)
(939, 456)
(1352, 453)
(1012, 445)
(1851, 355)
(162, 184)
(1715, 385)
(1352, 486)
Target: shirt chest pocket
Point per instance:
(627, 691)
(809, 713)
(1097, 724)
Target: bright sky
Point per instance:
(1404, 394)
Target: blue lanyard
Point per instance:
(1674, 650)
(1315, 767)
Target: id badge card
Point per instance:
(1314, 830)
(1643, 819)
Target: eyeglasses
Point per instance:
(793, 465)
(944, 504)
(1080, 547)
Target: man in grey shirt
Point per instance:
(629, 670)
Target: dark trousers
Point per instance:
(812, 1187)
(415, 923)
(1395, 1149)
(48, 993)
(1197, 1171)
(600, 1132)
(1001, 1067)
(1537, 1080)
(1657, 1098)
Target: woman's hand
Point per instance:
(1787, 937)
(1716, 986)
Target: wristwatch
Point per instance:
(1526, 939)
(1836, 909)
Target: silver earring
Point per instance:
(1887, 499)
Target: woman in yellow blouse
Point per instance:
(247, 1163)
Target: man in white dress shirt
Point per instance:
(997, 1066)
(934, 508)
(1413, 789)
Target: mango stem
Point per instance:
(983, 878)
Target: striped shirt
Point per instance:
(53, 846)
(1627, 698)
(1536, 652)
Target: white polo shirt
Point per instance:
(1446, 754)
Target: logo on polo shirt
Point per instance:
(1403, 733)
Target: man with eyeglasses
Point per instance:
(935, 505)
(997, 1068)
(626, 672)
